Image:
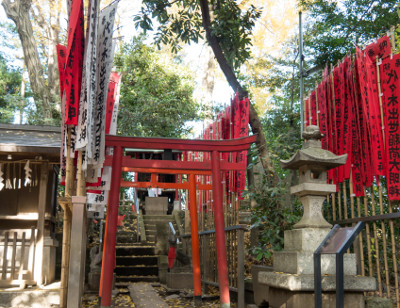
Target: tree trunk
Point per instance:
(18, 11)
(254, 120)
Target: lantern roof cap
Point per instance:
(312, 153)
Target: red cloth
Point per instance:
(378, 156)
(381, 48)
(61, 57)
(111, 95)
(390, 72)
(120, 220)
(74, 62)
(339, 90)
(313, 109)
(307, 116)
(348, 116)
(242, 156)
(171, 256)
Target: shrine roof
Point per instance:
(30, 139)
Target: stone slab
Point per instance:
(307, 239)
(30, 298)
(260, 290)
(180, 280)
(156, 205)
(297, 262)
(144, 296)
(294, 282)
(283, 298)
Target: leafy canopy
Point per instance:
(335, 26)
(181, 21)
(156, 98)
(10, 98)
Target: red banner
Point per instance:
(322, 115)
(307, 113)
(61, 57)
(379, 49)
(370, 104)
(378, 156)
(348, 117)
(358, 188)
(390, 72)
(111, 94)
(74, 62)
(243, 131)
(339, 90)
(313, 109)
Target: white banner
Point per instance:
(89, 83)
(98, 199)
(105, 56)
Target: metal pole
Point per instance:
(301, 76)
(219, 230)
(111, 229)
(195, 239)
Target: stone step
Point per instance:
(136, 270)
(136, 260)
(158, 217)
(125, 281)
(134, 250)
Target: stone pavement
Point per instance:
(144, 296)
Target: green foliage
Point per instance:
(335, 26)
(271, 218)
(181, 21)
(10, 97)
(156, 99)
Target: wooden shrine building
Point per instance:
(29, 166)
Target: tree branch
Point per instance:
(254, 120)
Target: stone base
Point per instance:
(180, 280)
(94, 281)
(294, 282)
(280, 298)
(301, 262)
(296, 291)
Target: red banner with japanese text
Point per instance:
(74, 62)
(242, 156)
(379, 49)
(339, 91)
(313, 109)
(362, 106)
(348, 116)
(390, 86)
(322, 115)
(371, 108)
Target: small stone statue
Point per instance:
(95, 259)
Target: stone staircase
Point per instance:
(150, 222)
(137, 261)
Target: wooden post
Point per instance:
(67, 207)
(77, 252)
(65, 204)
(38, 271)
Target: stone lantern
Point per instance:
(313, 162)
(291, 283)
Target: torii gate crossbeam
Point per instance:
(118, 161)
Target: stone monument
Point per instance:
(291, 283)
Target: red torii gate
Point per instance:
(213, 167)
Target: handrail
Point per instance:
(230, 228)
